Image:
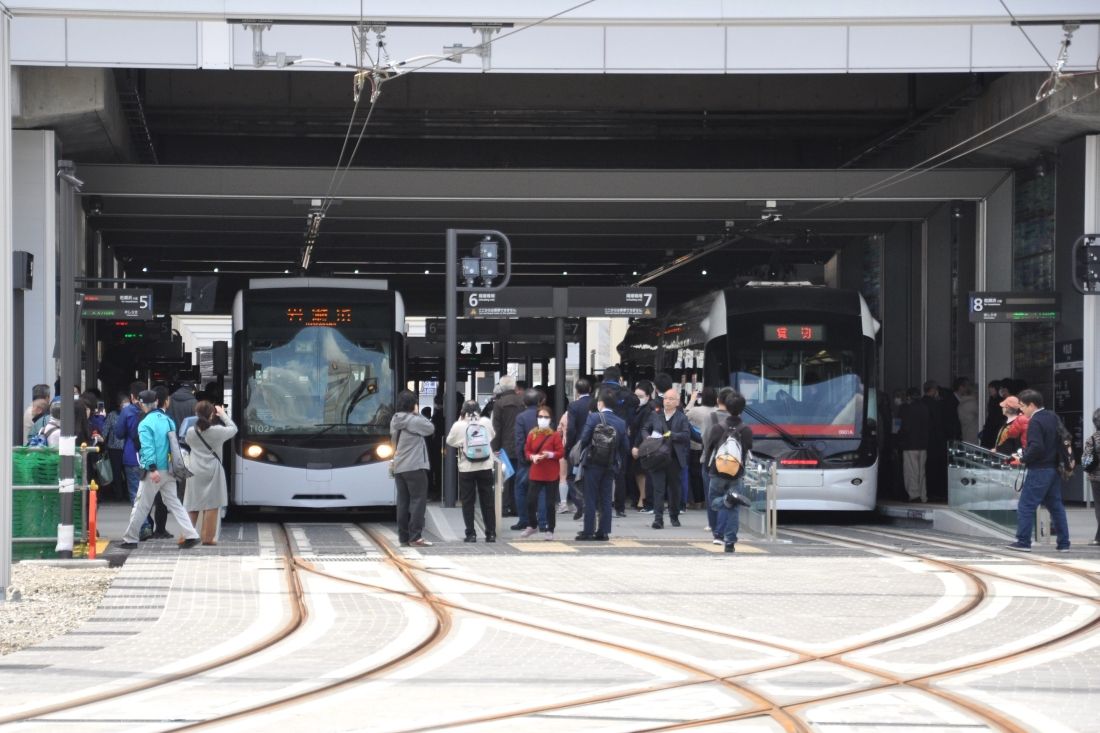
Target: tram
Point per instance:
(805, 358)
(318, 363)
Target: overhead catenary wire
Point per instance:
(395, 69)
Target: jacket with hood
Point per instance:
(407, 431)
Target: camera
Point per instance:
(734, 499)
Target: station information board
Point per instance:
(131, 304)
(538, 302)
(1015, 307)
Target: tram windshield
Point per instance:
(317, 380)
(809, 391)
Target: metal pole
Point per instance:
(66, 246)
(450, 367)
(6, 390)
(559, 366)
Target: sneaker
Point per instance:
(563, 509)
(1064, 549)
(717, 541)
(706, 528)
(420, 542)
(470, 538)
(527, 532)
(620, 515)
(1094, 543)
(490, 538)
(518, 526)
(548, 536)
(145, 533)
(1019, 547)
(128, 545)
(729, 548)
(189, 543)
(648, 510)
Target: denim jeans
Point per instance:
(1043, 486)
(728, 519)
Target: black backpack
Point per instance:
(1066, 461)
(605, 442)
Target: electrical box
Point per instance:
(22, 270)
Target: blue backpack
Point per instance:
(41, 439)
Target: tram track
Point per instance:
(299, 612)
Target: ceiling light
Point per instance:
(704, 272)
(145, 269)
(286, 272)
(356, 272)
(565, 272)
(215, 269)
(427, 272)
(634, 273)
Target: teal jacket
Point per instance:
(153, 436)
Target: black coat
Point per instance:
(578, 413)
(679, 427)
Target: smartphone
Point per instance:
(100, 407)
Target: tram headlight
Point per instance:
(384, 451)
(253, 451)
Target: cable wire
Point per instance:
(1022, 30)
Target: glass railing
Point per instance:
(760, 516)
(983, 483)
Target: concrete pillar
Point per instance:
(936, 296)
(6, 386)
(1090, 308)
(993, 271)
(900, 309)
(34, 227)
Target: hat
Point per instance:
(147, 397)
(1011, 401)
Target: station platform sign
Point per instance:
(1015, 307)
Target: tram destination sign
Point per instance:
(1015, 307)
(133, 304)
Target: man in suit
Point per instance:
(625, 405)
(672, 425)
(598, 479)
(1043, 485)
(577, 415)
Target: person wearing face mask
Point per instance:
(644, 392)
(542, 450)
(471, 436)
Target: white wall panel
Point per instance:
(94, 42)
(544, 48)
(216, 43)
(909, 47)
(1005, 47)
(665, 47)
(38, 41)
(786, 48)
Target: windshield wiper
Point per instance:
(787, 437)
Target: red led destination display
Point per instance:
(802, 332)
(319, 315)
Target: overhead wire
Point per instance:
(338, 175)
(1024, 31)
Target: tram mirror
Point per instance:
(372, 385)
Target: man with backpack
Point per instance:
(1044, 455)
(726, 447)
(471, 436)
(605, 443)
(624, 405)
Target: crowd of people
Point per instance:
(162, 453)
(614, 448)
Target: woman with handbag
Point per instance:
(542, 449)
(206, 491)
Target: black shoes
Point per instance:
(160, 534)
(577, 515)
(658, 525)
(675, 522)
(470, 538)
(490, 538)
(189, 543)
(600, 537)
(518, 526)
(128, 545)
(620, 515)
(584, 537)
(729, 548)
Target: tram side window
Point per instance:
(716, 363)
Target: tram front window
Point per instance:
(810, 392)
(317, 380)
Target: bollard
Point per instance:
(93, 502)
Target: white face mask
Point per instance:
(544, 422)
(642, 399)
